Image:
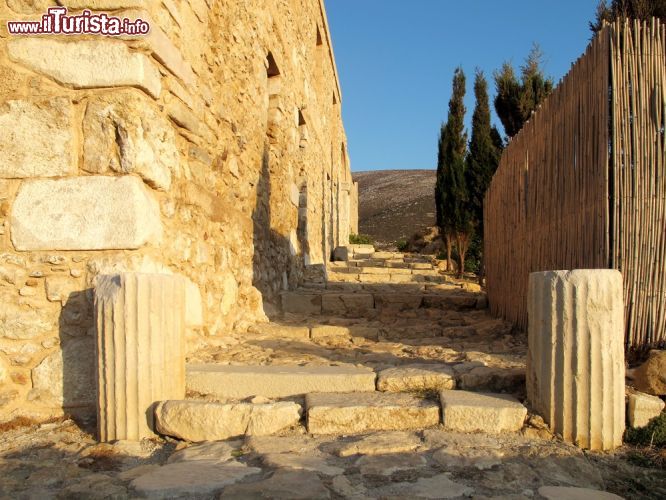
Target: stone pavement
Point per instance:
(59, 460)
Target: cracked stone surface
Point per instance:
(62, 460)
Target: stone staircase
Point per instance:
(387, 342)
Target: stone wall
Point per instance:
(212, 148)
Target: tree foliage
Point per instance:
(484, 151)
(517, 99)
(611, 10)
(450, 189)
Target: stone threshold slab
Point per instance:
(276, 381)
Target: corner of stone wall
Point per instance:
(156, 154)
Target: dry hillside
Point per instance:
(394, 204)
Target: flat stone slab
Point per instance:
(190, 478)
(642, 408)
(217, 451)
(481, 412)
(284, 331)
(482, 459)
(399, 301)
(439, 486)
(353, 413)
(416, 378)
(385, 465)
(277, 381)
(281, 485)
(381, 443)
(570, 493)
(84, 213)
(202, 421)
(87, 63)
(347, 303)
(315, 462)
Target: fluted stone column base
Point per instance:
(140, 350)
(575, 362)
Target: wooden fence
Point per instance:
(583, 184)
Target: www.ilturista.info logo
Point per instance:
(57, 22)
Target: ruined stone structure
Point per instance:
(212, 148)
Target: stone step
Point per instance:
(355, 413)
(358, 304)
(464, 411)
(384, 270)
(206, 421)
(389, 278)
(417, 377)
(353, 252)
(276, 381)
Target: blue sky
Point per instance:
(396, 60)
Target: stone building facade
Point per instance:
(213, 147)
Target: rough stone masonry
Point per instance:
(211, 148)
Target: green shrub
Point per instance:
(360, 239)
(402, 245)
(653, 434)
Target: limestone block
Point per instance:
(347, 303)
(328, 331)
(17, 323)
(201, 421)
(422, 266)
(84, 213)
(641, 408)
(575, 362)
(36, 138)
(398, 301)
(281, 331)
(275, 381)
(64, 378)
(481, 412)
(353, 413)
(411, 378)
(650, 377)
(87, 63)
(304, 303)
(381, 444)
(341, 254)
(382, 255)
(362, 248)
(385, 271)
(141, 350)
(124, 132)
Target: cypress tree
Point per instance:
(450, 190)
(483, 156)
